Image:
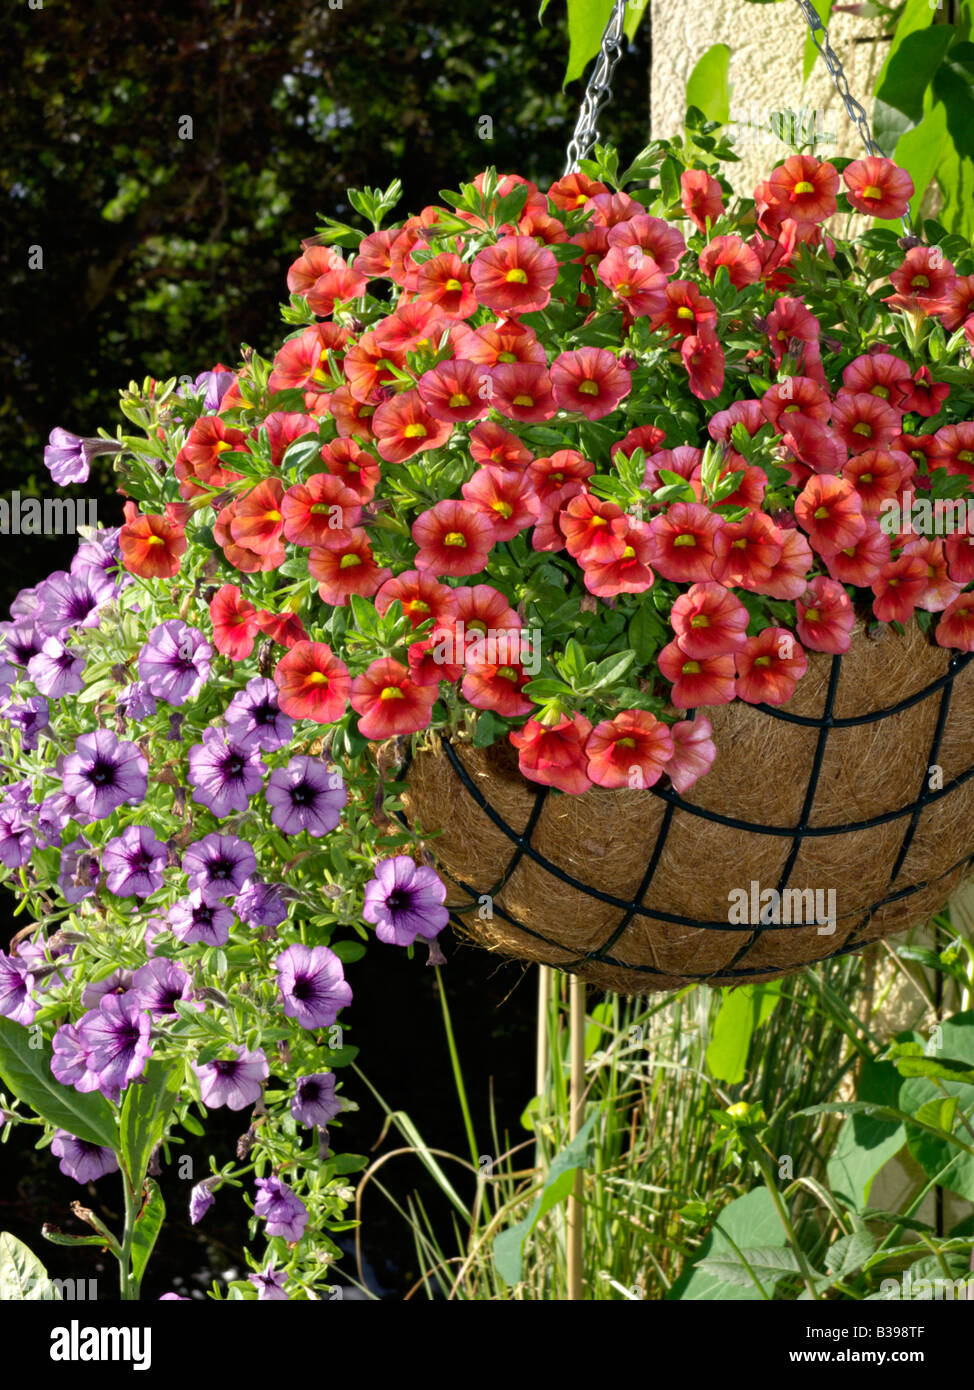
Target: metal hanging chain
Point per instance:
(857, 112)
(598, 91)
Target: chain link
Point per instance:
(598, 91)
(857, 112)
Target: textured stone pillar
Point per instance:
(767, 44)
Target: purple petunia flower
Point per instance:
(67, 456)
(405, 900)
(136, 702)
(234, 1082)
(160, 984)
(30, 718)
(305, 795)
(103, 773)
(52, 817)
(216, 384)
(56, 669)
(133, 863)
(16, 838)
(315, 1102)
(312, 985)
(174, 1297)
(72, 600)
(69, 1064)
(20, 641)
(224, 775)
(118, 982)
(101, 551)
(40, 956)
(16, 983)
(79, 872)
(201, 917)
(80, 1159)
(286, 1214)
(261, 904)
(175, 661)
(254, 717)
(115, 1037)
(8, 674)
(201, 1198)
(220, 862)
(270, 1285)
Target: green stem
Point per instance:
(129, 1285)
(457, 1071)
(789, 1230)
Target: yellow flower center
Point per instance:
(458, 401)
(762, 661)
(691, 668)
(453, 285)
(516, 276)
(454, 538)
(699, 620)
(347, 561)
(685, 312)
(965, 456)
(920, 282)
(625, 743)
(685, 540)
(804, 187)
(865, 477)
(628, 553)
(526, 401)
(871, 191)
(588, 388)
(391, 692)
(862, 428)
(317, 678)
(812, 615)
(415, 431)
(507, 673)
(506, 357)
(503, 509)
(154, 540)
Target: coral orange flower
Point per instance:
(415, 327)
(703, 358)
(826, 616)
(788, 577)
(493, 343)
(686, 311)
(403, 427)
(693, 752)
(959, 553)
(152, 545)
(547, 475)
(453, 391)
(861, 563)
(940, 590)
(796, 395)
(521, 391)
(629, 573)
(880, 374)
(554, 754)
(806, 444)
(659, 239)
(258, 522)
(707, 680)
(200, 463)
(791, 328)
(445, 282)
(769, 667)
(956, 625)
(828, 509)
(740, 260)
(701, 197)
(587, 525)
(323, 277)
(925, 396)
(283, 428)
(389, 702)
(746, 551)
(878, 187)
(574, 190)
(312, 683)
(877, 475)
(351, 417)
(649, 438)
(234, 621)
(241, 556)
(368, 368)
(505, 497)
(589, 380)
(496, 687)
(746, 413)
(429, 660)
(303, 361)
(492, 443)
(635, 280)
(632, 750)
(955, 449)
(353, 466)
(286, 629)
(709, 621)
(803, 188)
(423, 599)
(864, 421)
(480, 610)
(373, 259)
(683, 543)
(346, 569)
(454, 538)
(957, 304)
(514, 276)
(923, 280)
(898, 588)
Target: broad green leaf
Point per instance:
(824, 8)
(747, 1221)
(741, 1012)
(953, 84)
(767, 1263)
(849, 1253)
(924, 1099)
(508, 1246)
(22, 1276)
(148, 1224)
(586, 25)
(26, 1071)
(145, 1111)
(707, 86)
(866, 1142)
(920, 151)
(906, 76)
(915, 15)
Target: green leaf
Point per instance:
(509, 1245)
(924, 1099)
(953, 84)
(348, 951)
(866, 1142)
(824, 8)
(148, 1224)
(849, 1253)
(26, 1071)
(741, 1012)
(145, 1112)
(767, 1263)
(586, 24)
(707, 85)
(22, 1276)
(647, 634)
(904, 82)
(944, 1068)
(744, 1222)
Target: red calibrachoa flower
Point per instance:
(957, 305)
(413, 327)
(322, 276)
(661, 241)
(286, 629)
(257, 523)
(829, 510)
(863, 421)
(923, 281)
(880, 374)
(389, 702)
(683, 543)
(505, 497)
(635, 280)
(878, 475)
(702, 197)
(241, 556)
(492, 443)
(497, 687)
(554, 754)
(445, 282)
(514, 276)
(589, 380)
(794, 329)
(303, 361)
(687, 311)
(955, 449)
(741, 261)
(283, 428)
(404, 427)
(700, 680)
(351, 417)
(574, 190)
(548, 475)
(769, 667)
(368, 369)
(630, 573)
(201, 462)
(649, 438)
(703, 358)
(354, 466)
(632, 750)
(429, 663)
(924, 395)
(234, 620)
(587, 525)
(940, 590)
(803, 188)
(709, 621)
(480, 610)
(373, 260)
(899, 588)
(423, 599)
(346, 569)
(959, 553)
(807, 445)
(152, 546)
(788, 576)
(522, 391)
(861, 563)
(826, 616)
(312, 683)
(493, 343)
(746, 551)
(956, 625)
(452, 391)
(693, 752)
(454, 538)
(878, 187)
(796, 395)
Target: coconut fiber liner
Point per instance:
(836, 790)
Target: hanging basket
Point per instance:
(861, 787)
